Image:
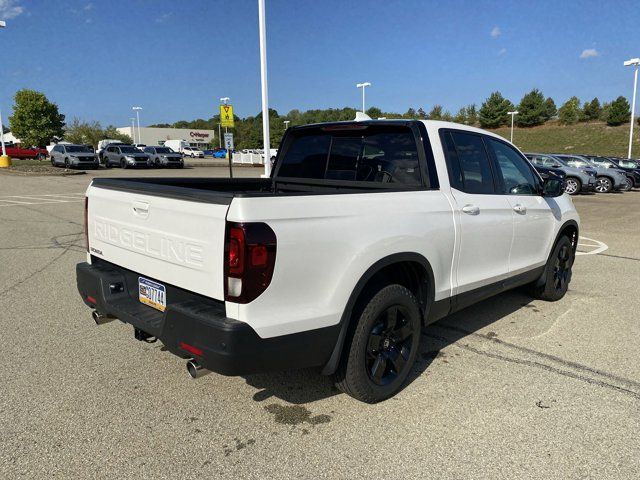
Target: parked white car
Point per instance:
(365, 233)
(192, 152)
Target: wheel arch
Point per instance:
(409, 269)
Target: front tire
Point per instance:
(383, 347)
(604, 185)
(557, 273)
(572, 186)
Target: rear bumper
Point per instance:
(224, 345)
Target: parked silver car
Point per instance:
(577, 180)
(124, 156)
(164, 157)
(77, 156)
(607, 179)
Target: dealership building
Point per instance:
(157, 136)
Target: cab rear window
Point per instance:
(368, 153)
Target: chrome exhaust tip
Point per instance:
(101, 318)
(194, 369)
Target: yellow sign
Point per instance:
(226, 115)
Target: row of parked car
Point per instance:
(114, 155)
(589, 173)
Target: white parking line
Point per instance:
(39, 199)
(597, 245)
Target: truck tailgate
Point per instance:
(175, 240)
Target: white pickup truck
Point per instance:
(366, 232)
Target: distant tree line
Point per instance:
(36, 120)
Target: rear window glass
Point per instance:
(378, 154)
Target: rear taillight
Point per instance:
(86, 222)
(250, 257)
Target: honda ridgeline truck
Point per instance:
(366, 232)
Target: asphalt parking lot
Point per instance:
(509, 388)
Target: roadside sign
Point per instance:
(228, 141)
(226, 115)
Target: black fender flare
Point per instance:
(345, 320)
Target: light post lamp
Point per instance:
(286, 124)
(5, 161)
(634, 62)
(513, 114)
(137, 110)
(363, 86)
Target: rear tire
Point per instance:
(123, 164)
(629, 184)
(572, 185)
(383, 347)
(66, 163)
(604, 185)
(557, 272)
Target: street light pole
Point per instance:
(513, 114)
(133, 129)
(263, 82)
(5, 161)
(286, 124)
(634, 62)
(137, 110)
(363, 86)
(219, 136)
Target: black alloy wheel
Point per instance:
(389, 345)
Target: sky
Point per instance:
(96, 59)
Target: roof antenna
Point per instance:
(361, 117)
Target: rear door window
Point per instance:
(468, 163)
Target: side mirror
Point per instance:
(553, 187)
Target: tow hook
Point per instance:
(195, 370)
(101, 318)
(144, 336)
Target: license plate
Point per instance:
(152, 293)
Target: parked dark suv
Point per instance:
(630, 167)
(124, 156)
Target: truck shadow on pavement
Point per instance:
(308, 385)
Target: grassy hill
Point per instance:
(589, 138)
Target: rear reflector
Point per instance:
(191, 349)
(90, 299)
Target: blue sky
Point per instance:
(97, 58)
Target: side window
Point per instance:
(470, 169)
(513, 171)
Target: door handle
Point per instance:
(141, 208)
(519, 208)
(471, 209)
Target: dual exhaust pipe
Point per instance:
(101, 318)
(194, 369)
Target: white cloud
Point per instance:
(502, 51)
(88, 6)
(164, 17)
(9, 9)
(589, 52)
(495, 33)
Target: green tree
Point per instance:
(435, 113)
(569, 113)
(472, 114)
(591, 110)
(619, 112)
(531, 109)
(111, 133)
(411, 113)
(447, 117)
(493, 112)
(461, 116)
(421, 113)
(373, 112)
(550, 109)
(604, 111)
(87, 133)
(35, 120)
